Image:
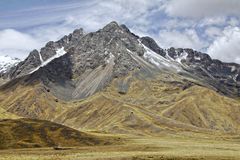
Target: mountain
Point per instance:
(114, 81)
(90, 51)
(30, 133)
(6, 63)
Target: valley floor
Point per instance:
(139, 148)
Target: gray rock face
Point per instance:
(93, 60)
(223, 76)
(23, 68)
(49, 50)
(111, 41)
(35, 58)
(150, 43)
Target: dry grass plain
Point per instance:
(139, 148)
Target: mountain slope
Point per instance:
(7, 115)
(29, 133)
(32, 101)
(155, 106)
(114, 81)
(165, 103)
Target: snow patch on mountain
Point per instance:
(233, 68)
(183, 56)
(159, 60)
(111, 57)
(7, 62)
(59, 52)
(197, 58)
(40, 56)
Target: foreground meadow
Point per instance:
(149, 148)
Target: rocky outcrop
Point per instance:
(150, 43)
(24, 67)
(223, 76)
(35, 58)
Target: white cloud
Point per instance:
(177, 39)
(47, 23)
(175, 23)
(226, 47)
(202, 8)
(134, 12)
(53, 32)
(209, 21)
(213, 32)
(16, 44)
(178, 23)
(19, 44)
(233, 21)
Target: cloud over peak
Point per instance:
(202, 8)
(226, 47)
(15, 43)
(205, 25)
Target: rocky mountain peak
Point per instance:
(83, 63)
(112, 43)
(150, 43)
(112, 26)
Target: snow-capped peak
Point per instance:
(7, 62)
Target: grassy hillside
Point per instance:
(154, 106)
(31, 101)
(205, 108)
(29, 133)
(4, 114)
(132, 105)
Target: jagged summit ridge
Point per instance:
(92, 60)
(37, 58)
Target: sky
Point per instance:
(209, 26)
